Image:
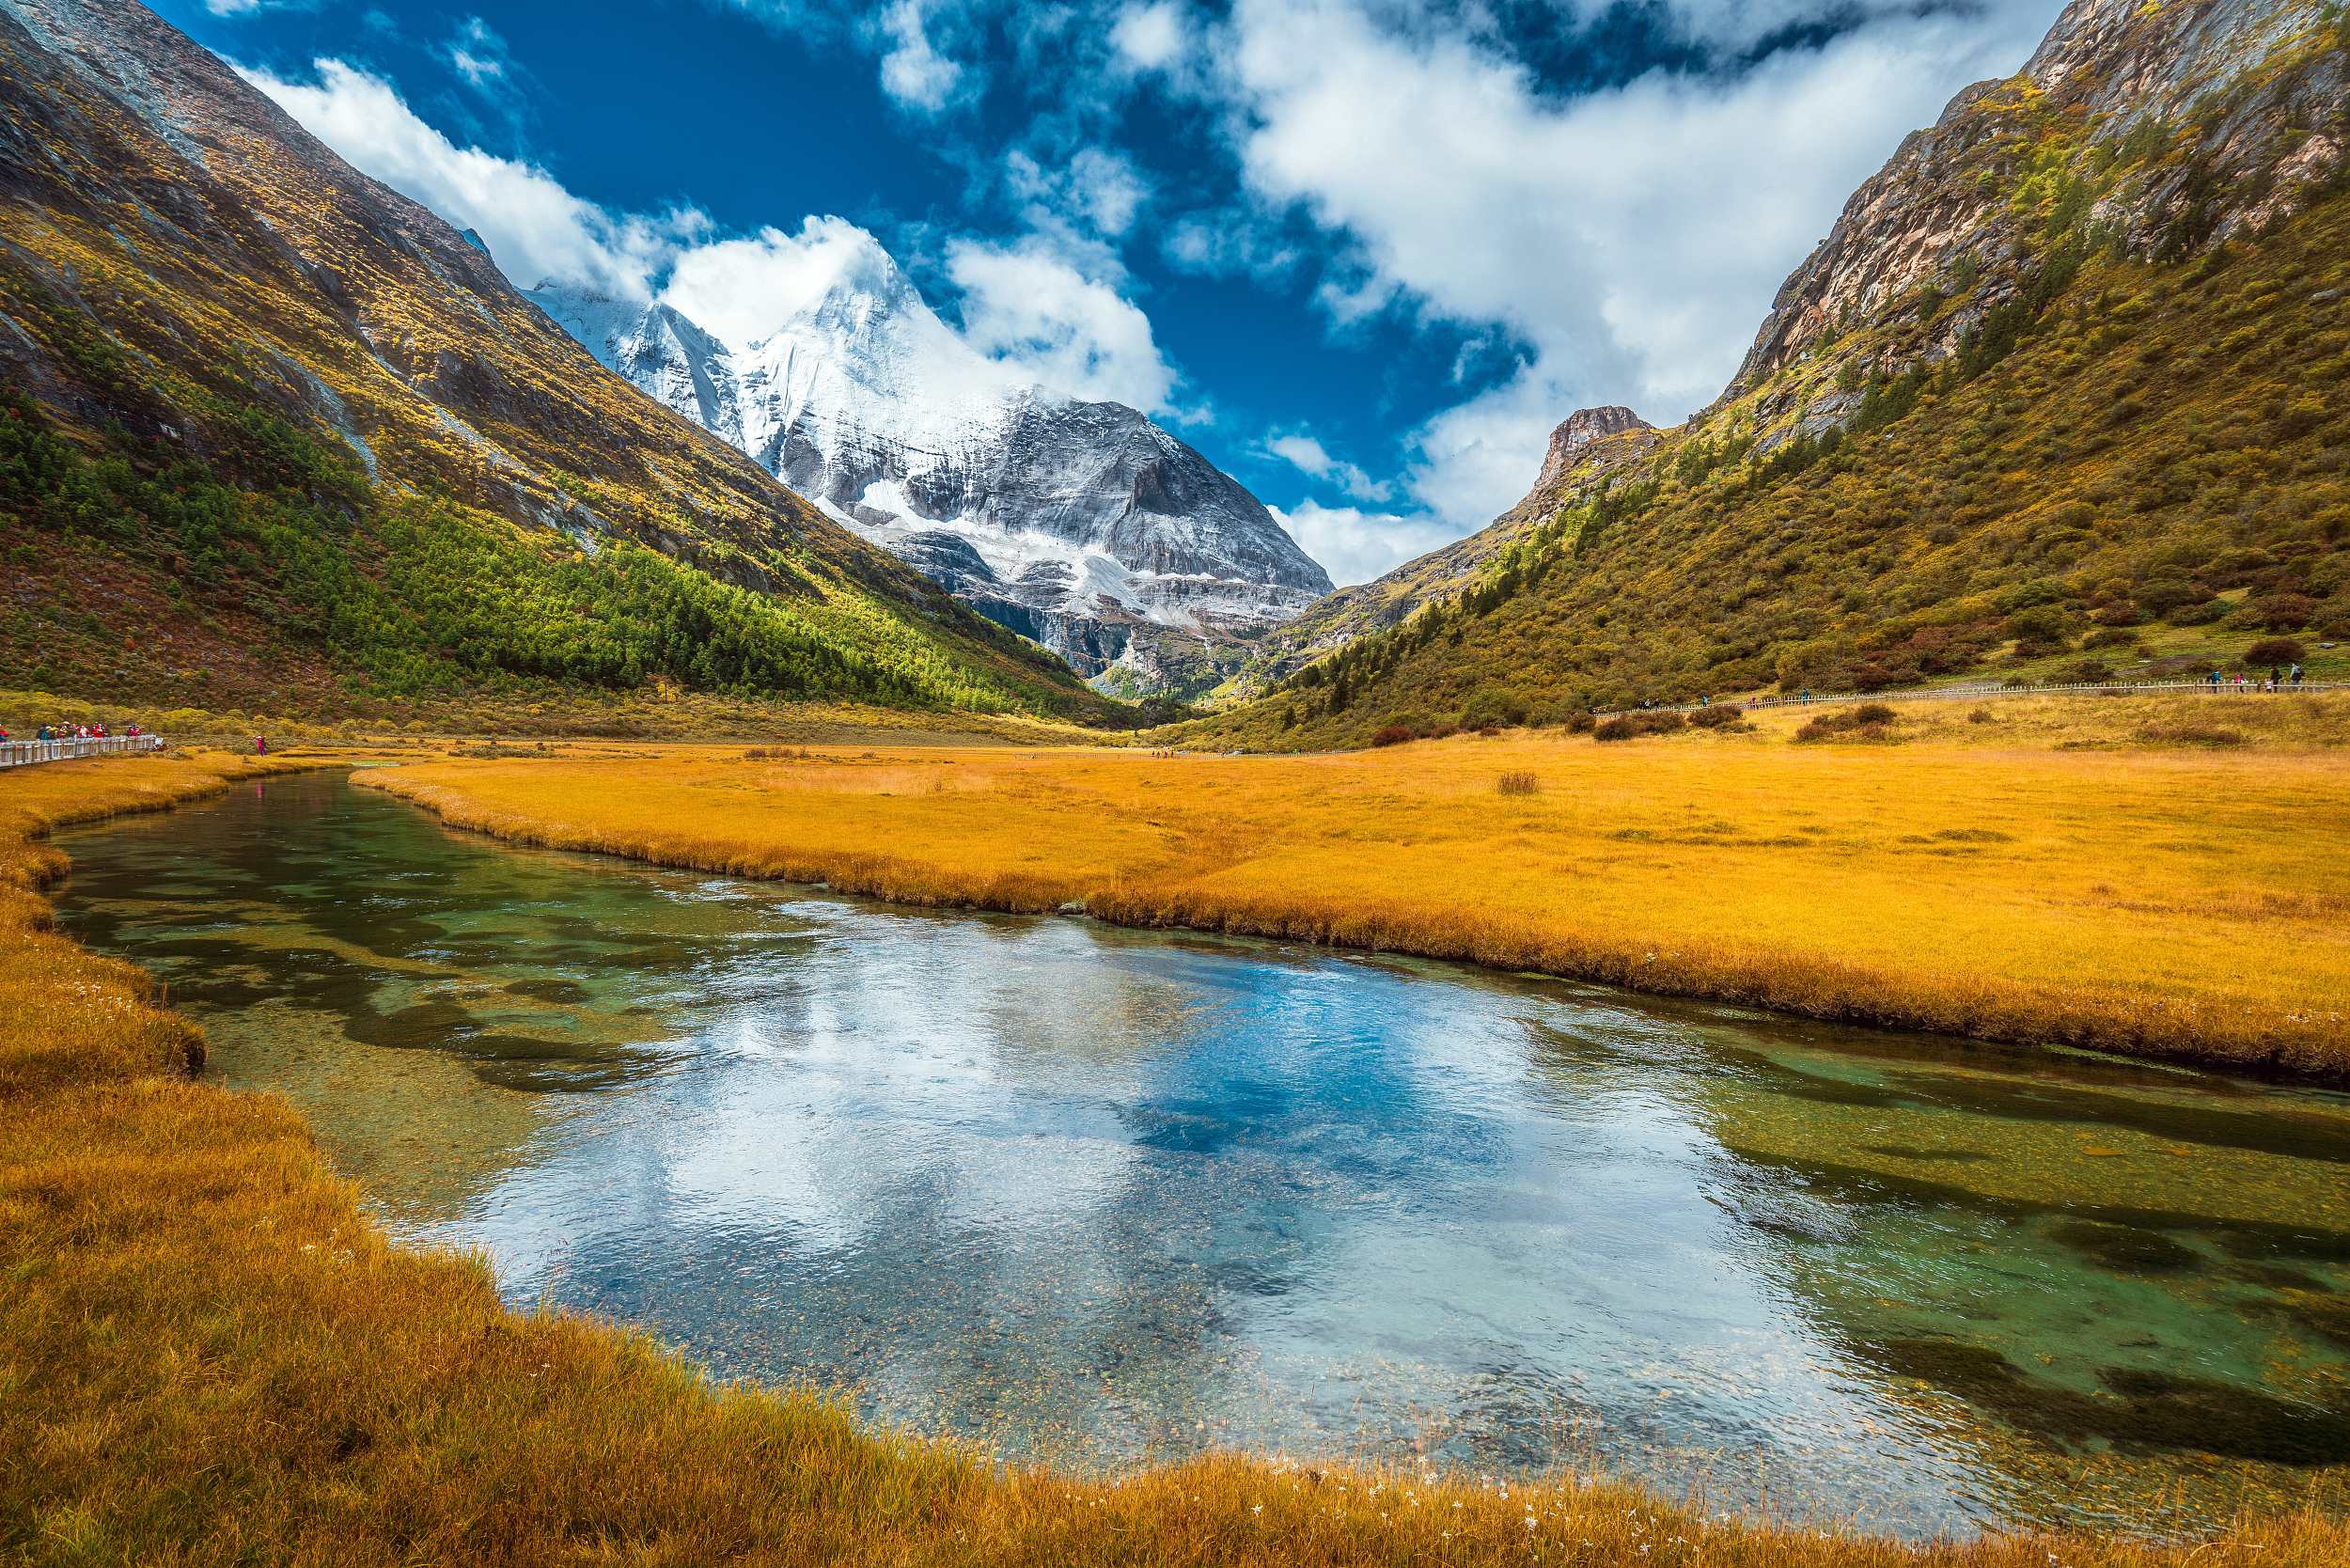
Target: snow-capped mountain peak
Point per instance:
(1089, 522)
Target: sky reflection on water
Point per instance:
(1101, 1196)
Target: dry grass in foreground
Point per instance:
(212, 1355)
(2158, 897)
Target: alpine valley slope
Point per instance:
(277, 439)
(1081, 525)
(2067, 382)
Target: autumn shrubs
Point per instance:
(2279, 612)
(1518, 784)
(1627, 727)
(2272, 652)
(1870, 721)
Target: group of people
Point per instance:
(2279, 680)
(72, 732)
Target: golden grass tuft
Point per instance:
(212, 1355)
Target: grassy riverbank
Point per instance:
(2130, 875)
(654, 714)
(212, 1355)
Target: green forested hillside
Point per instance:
(2081, 444)
(275, 439)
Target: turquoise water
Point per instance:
(1104, 1196)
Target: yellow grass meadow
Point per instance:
(1985, 879)
(211, 1354)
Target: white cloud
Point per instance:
(1355, 546)
(1026, 305)
(741, 290)
(1150, 37)
(1307, 454)
(1046, 306)
(1094, 192)
(479, 55)
(535, 229)
(1632, 237)
(913, 72)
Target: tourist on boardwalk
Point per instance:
(2297, 675)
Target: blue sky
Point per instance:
(1363, 253)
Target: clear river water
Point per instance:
(1102, 1196)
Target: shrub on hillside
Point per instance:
(1394, 734)
(2161, 598)
(2270, 651)
(2088, 672)
(1715, 718)
(2199, 615)
(2040, 626)
(1493, 707)
(1581, 724)
(2111, 637)
(2279, 612)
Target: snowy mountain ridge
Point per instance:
(1085, 526)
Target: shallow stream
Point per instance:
(1103, 1197)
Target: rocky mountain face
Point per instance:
(1081, 525)
(1578, 430)
(332, 461)
(2062, 392)
(2211, 120)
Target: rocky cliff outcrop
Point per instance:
(2155, 130)
(1578, 430)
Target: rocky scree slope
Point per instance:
(2067, 382)
(1082, 525)
(280, 439)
